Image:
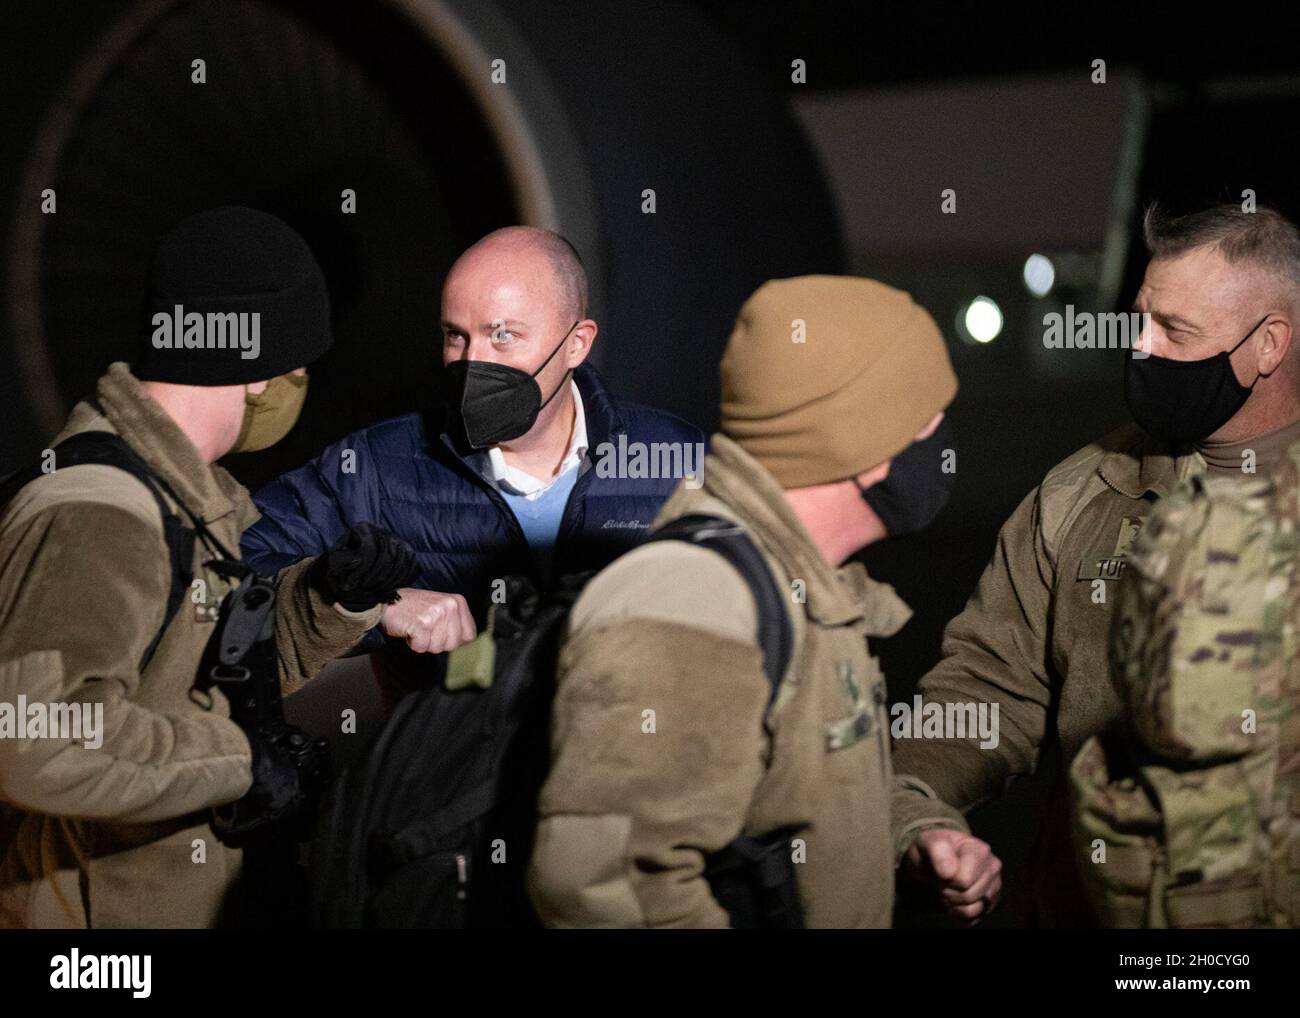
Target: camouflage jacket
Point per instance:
(1032, 639)
(1189, 813)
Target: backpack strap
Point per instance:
(751, 878)
(775, 632)
(103, 448)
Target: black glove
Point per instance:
(288, 777)
(364, 568)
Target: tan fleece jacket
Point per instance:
(117, 834)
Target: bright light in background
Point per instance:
(1040, 275)
(982, 320)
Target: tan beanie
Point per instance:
(851, 389)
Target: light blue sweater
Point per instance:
(540, 517)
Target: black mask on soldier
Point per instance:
(1182, 402)
(916, 488)
(496, 403)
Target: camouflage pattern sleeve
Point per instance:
(1186, 816)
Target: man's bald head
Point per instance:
(570, 277)
(518, 298)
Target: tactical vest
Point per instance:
(1189, 816)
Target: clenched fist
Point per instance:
(428, 621)
(960, 867)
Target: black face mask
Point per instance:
(495, 403)
(1185, 401)
(916, 488)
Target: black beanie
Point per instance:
(211, 275)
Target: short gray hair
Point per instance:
(1264, 238)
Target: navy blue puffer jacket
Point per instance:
(399, 476)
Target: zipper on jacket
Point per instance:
(568, 521)
(879, 694)
(502, 507)
(512, 521)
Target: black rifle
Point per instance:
(240, 660)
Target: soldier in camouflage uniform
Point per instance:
(1033, 637)
(1189, 816)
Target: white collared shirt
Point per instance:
(517, 481)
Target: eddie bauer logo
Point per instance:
(76, 971)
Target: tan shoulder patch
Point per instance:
(670, 581)
(92, 483)
(1066, 491)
